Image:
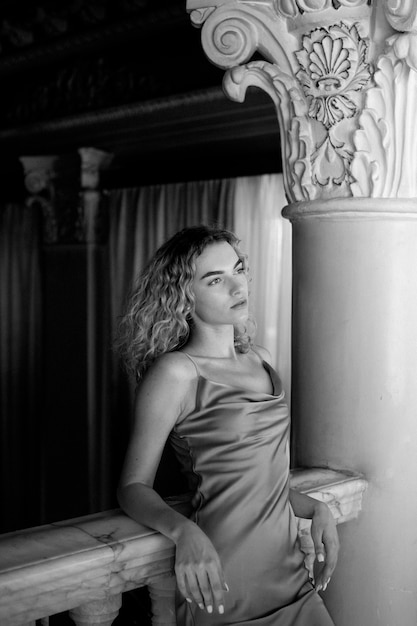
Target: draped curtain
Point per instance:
(266, 238)
(141, 219)
(20, 366)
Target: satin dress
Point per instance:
(234, 450)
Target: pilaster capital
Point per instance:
(38, 172)
(92, 162)
(39, 175)
(67, 190)
(343, 77)
(91, 210)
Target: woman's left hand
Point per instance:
(326, 543)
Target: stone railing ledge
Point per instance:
(73, 563)
(57, 567)
(341, 490)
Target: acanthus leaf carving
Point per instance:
(291, 106)
(385, 160)
(401, 14)
(330, 163)
(404, 47)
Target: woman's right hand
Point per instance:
(198, 569)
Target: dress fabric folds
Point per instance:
(234, 451)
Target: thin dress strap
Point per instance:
(255, 351)
(192, 361)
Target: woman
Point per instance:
(206, 388)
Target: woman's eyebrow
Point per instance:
(215, 272)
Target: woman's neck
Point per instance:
(217, 342)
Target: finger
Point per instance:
(328, 569)
(218, 588)
(188, 586)
(182, 586)
(197, 584)
(317, 537)
(322, 586)
(332, 550)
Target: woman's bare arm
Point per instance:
(323, 533)
(162, 397)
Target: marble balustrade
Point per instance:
(84, 565)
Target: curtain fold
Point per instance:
(140, 220)
(20, 366)
(266, 238)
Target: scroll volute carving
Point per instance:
(341, 78)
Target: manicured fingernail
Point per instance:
(188, 600)
(320, 557)
(201, 606)
(221, 609)
(209, 609)
(324, 586)
(319, 587)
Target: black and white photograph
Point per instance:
(208, 313)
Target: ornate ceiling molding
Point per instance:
(187, 122)
(24, 51)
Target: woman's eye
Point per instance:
(214, 281)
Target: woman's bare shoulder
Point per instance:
(166, 391)
(263, 353)
(171, 368)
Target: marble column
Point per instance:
(343, 77)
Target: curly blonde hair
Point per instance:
(158, 314)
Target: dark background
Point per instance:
(129, 77)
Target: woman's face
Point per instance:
(220, 286)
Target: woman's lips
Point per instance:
(241, 303)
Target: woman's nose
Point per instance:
(236, 286)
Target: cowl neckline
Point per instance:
(277, 391)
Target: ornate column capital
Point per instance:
(92, 162)
(39, 172)
(343, 77)
(67, 189)
(92, 217)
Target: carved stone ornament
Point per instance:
(343, 81)
(66, 188)
(39, 174)
(91, 209)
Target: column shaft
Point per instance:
(354, 391)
